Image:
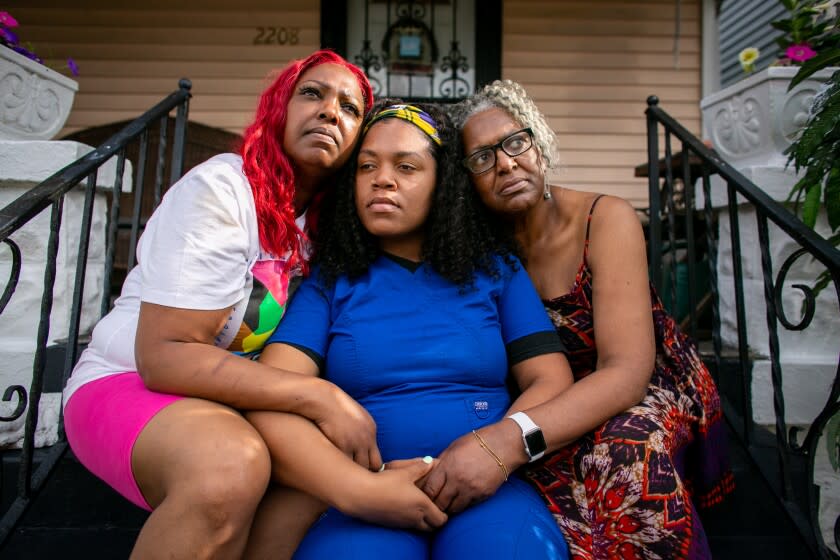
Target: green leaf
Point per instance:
(809, 67)
(796, 192)
(832, 198)
(811, 206)
(819, 142)
(781, 25)
(821, 282)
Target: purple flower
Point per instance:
(27, 53)
(800, 53)
(8, 37)
(7, 20)
(10, 40)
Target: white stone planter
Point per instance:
(753, 121)
(34, 100)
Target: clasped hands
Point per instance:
(464, 474)
(411, 493)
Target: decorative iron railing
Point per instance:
(407, 61)
(788, 466)
(51, 194)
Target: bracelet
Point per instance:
(490, 452)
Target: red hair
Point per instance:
(264, 160)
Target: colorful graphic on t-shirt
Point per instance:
(266, 305)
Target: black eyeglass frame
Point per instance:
(499, 146)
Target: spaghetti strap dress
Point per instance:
(631, 487)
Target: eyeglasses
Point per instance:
(483, 160)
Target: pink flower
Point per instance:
(7, 20)
(800, 53)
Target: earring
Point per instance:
(546, 190)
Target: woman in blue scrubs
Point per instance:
(417, 309)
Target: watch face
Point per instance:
(535, 442)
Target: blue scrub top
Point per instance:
(427, 358)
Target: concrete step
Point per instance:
(76, 515)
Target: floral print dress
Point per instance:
(629, 488)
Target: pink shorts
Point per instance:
(103, 419)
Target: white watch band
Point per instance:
(528, 427)
(524, 421)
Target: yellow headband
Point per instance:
(416, 116)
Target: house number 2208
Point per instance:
(277, 36)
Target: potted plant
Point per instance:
(35, 100)
(816, 152)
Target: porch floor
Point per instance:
(751, 523)
(77, 516)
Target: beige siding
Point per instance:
(131, 57)
(591, 66)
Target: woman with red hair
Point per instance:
(154, 406)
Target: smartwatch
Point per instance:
(532, 436)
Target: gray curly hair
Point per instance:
(512, 98)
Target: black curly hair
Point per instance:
(462, 236)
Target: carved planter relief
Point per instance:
(753, 121)
(34, 100)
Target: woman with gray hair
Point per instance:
(638, 440)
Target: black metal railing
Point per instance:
(787, 465)
(50, 194)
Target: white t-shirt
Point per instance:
(200, 250)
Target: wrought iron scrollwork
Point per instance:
(809, 306)
(410, 51)
(808, 310)
(837, 533)
(368, 60)
(14, 274)
(831, 441)
(454, 62)
(411, 10)
(832, 402)
(23, 400)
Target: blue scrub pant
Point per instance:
(514, 524)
